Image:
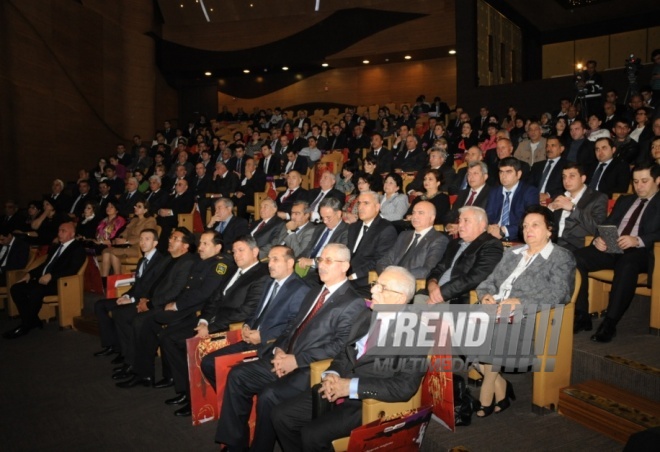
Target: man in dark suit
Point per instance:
(224, 182)
(460, 182)
(356, 142)
(116, 184)
(279, 303)
(105, 195)
(468, 261)
(301, 120)
(294, 163)
(253, 181)
(337, 140)
(627, 149)
(208, 272)
(60, 200)
(63, 260)
(14, 253)
(580, 149)
(155, 197)
(411, 158)
(269, 164)
(352, 376)
(148, 271)
(609, 174)
(335, 231)
(321, 141)
(293, 193)
(578, 211)
(384, 157)
(637, 218)
(78, 205)
(201, 184)
(319, 331)
(507, 204)
(13, 219)
(128, 200)
(325, 191)
(237, 162)
(298, 142)
(267, 227)
(298, 232)
(181, 202)
(546, 174)
(476, 194)
(226, 224)
(437, 159)
(417, 250)
(129, 319)
(235, 301)
(369, 239)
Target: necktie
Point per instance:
(55, 257)
(273, 294)
(365, 228)
(143, 267)
(238, 165)
(260, 227)
(505, 209)
(310, 316)
(3, 256)
(627, 229)
(470, 200)
(546, 173)
(411, 248)
(221, 227)
(593, 184)
(73, 207)
(288, 193)
(232, 281)
(316, 202)
(319, 244)
(266, 162)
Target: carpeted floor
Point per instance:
(56, 396)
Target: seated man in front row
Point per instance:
(468, 261)
(352, 376)
(319, 331)
(637, 219)
(63, 260)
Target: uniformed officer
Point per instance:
(209, 271)
(234, 301)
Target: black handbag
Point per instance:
(464, 403)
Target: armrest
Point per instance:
(316, 369)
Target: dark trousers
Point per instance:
(626, 266)
(297, 431)
(28, 297)
(123, 318)
(243, 382)
(173, 349)
(208, 362)
(107, 330)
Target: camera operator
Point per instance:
(590, 84)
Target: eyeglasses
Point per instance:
(327, 260)
(381, 288)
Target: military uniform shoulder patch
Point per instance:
(221, 269)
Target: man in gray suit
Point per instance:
(578, 211)
(267, 229)
(335, 231)
(297, 233)
(420, 249)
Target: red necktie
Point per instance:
(310, 316)
(471, 199)
(286, 195)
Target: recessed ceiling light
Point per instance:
(246, 71)
(387, 60)
(365, 61)
(452, 52)
(208, 73)
(211, 9)
(324, 64)
(251, 5)
(285, 68)
(407, 57)
(181, 5)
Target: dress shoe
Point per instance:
(582, 322)
(164, 383)
(123, 368)
(17, 332)
(106, 351)
(178, 400)
(123, 375)
(119, 359)
(136, 381)
(606, 331)
(184, 411)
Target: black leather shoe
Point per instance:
(164, 383)
(606, 331)
(106, 351)
(17, 332)
(122, 375)
(184, 411)
(582, 322)
(136, 381)
(178, 400)
(123, 368)
(119, 359)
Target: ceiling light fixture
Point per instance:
(246, 71)
(208, 73)
(325, 64)
(365, 61)
(407, 57)
(285, 68)
(452, 52)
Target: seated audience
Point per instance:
(297, 232)
(476, 194)
(546, 174)
(325, 191)
(14, 253)
(350, 209)
(608, 175)
(267, 227)
(393, 203)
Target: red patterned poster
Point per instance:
(438, 389)
(403, 433)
